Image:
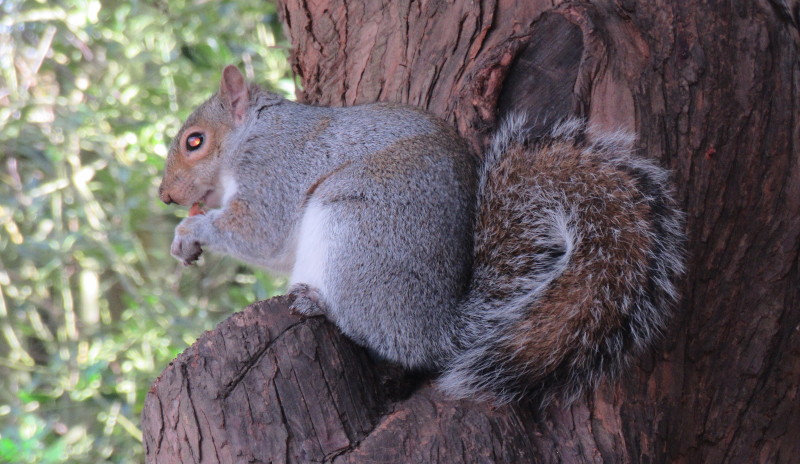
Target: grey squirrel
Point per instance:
(532, 272)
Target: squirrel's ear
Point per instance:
(233, 91)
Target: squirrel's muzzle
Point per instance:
(164, 196)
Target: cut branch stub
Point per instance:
(574, 61)
(263, 386)
(538, 73)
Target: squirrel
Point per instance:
(531, 273)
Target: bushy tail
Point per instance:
(577, 248)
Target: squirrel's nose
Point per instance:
(165, 196)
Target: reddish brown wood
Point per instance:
(713, 90)
(264, 385)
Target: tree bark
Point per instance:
(713, 91)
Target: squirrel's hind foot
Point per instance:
(307, 301)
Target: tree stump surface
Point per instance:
(266, 386)
(713, 92)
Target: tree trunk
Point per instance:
(712, 89)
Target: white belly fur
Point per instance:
(312, 249)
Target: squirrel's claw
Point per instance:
(186, 252)
(184, 247)
(191, 259)
(307, 301)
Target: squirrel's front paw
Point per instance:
(186, 248)
(307, 301)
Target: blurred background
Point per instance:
(92, 307)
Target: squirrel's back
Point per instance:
(577, 247)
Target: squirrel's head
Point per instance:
(192, 170)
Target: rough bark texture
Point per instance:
(712, 89)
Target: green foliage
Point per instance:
(92, 307)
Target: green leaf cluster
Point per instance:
(92, 306)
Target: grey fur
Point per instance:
(398, 187)
(388, 194)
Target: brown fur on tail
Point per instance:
(577, 248)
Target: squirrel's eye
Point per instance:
(194, 141)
